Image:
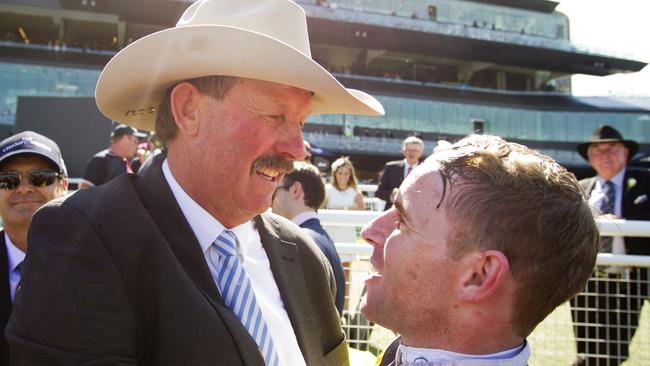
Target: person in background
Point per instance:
(395, 171)
(298, 198)
(117, 159)
(607, 314)
(343, 194)
(32, 173)
(484, 240)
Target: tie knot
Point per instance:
(609, 184)
(226, 243)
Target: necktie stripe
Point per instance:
(223, 266)
(607, 207)
(267, 347)
(237, 293)
(249, 314)
(227, 265)
(224, 251)
(228, 294)
(242, 303)
(256, 325)
(228, 280)
(236, 298)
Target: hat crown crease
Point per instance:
(283, 20)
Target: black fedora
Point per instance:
(607, 133)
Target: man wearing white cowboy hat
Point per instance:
(606, 317)
(180, 266)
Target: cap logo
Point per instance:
(25, 141)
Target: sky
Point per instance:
(619, 27)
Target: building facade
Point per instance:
(442, 68)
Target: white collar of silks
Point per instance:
(407, 356)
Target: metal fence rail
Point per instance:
(554, 340)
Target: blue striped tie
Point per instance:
(238, 294)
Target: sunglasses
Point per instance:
(36, 177)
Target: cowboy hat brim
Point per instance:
(133, 83)
(632, 146)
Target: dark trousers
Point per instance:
(606, 315)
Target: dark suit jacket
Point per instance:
(5, 298)
(635, 204)
(389, 354)
(325, 243)
(115, 276)
(391, 178)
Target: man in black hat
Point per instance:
(119, 158)
(32, 173)
(607, 316)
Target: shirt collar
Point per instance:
(406, 164)
(617, 179)
(517, 356)
(304, 216)
(206, 228)
(16, 256)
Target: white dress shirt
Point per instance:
(15, 257)
(207, 229)
(304, 216)
(595, 202)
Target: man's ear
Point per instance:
(185, 99)
(297, 193)
(485, 274)
(64, 186)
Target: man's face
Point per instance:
(608, 158)
(131, 142)
(412, 153)
(413, 286)
(255, 119)
(17, 206)
(343, 176)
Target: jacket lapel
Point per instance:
(158, 199)
(287, 271)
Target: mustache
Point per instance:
(272, 162)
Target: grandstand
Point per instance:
(442, 68)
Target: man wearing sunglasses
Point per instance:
(32, 173)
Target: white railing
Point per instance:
(607, 227)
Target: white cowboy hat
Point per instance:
(256, 39)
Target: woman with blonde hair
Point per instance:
(343, 193)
